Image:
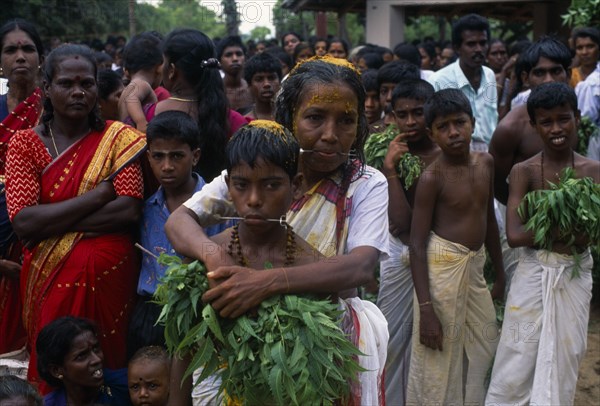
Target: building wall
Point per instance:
(385, 18)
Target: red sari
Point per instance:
(12, 336)
(94, 277)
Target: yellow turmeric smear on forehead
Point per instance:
(319, 97)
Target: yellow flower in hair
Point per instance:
(328, 59)
(269, 125)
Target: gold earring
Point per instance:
(1, 71)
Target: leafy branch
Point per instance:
(568, 209)
(410, 166)
(291, 352)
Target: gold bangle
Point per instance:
(426, 303)
(395, 176)
(286, 280)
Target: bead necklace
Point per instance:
(234, 242)
(572, 165)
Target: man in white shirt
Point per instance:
(470, 38)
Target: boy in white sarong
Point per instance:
(453, 218)
(547, 309)
(395, 298)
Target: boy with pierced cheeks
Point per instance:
(547, 307)
(395, 297)
(453, 223)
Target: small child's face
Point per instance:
(148, 382)
(410, 118)
(372, 106)
(109, 107)
(260, 193)
(453, 132)
(172, 161)
(264, 86)
(232, 60)
(321, 48)
(557, 126)
(305, 54)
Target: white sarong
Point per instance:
(395, 299)
(544, 334)
(463, 305)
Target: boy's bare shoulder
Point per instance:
(432, 172)
(481, 157)
(587, 167)
(222, 238)
(305, 253)
(527, 167)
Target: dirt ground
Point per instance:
(588, 385)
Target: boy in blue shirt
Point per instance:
(174, 142)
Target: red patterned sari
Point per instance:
(93, 277)
(12, 336)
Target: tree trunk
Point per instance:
(132, 28)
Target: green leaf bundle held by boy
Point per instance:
(410, 166)
(568, 209)
(291, 352)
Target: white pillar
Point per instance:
(385, 22)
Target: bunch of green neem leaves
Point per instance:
(292, 352)
(572, 207)
(410, 166)
(586, 130)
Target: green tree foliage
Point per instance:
(285, 20)
(70, 19)
(74, 20)
(303, 23)
(260, 33)
(582, 13)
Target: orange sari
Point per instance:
(13, 337)
(63, 275)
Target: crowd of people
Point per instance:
(247, 154)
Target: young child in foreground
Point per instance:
(142, 60)
(148, 376)
(453, 223)
(547, 308)
(173, 150)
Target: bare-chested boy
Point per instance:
(514, 140)
(395, 297)
(453, 223)
(262, 177)
(231, 53)
(547, 307)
